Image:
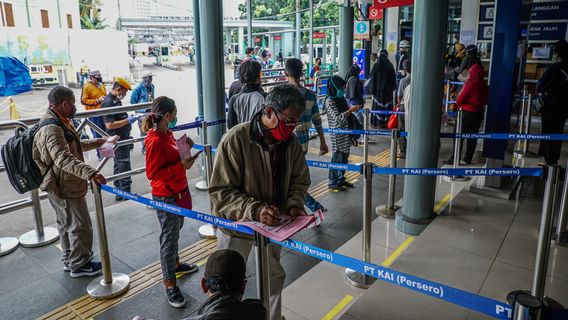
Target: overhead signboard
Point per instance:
(557, 10)
(375, 13)
(547, 31)
(319, 35)
(381, 4)
(361, 30)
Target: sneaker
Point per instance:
(66, 268)
(175, 298)
(89, 269)
(346, 184)
(185, 268)
(118, 198)
(465, 163)
(337, 188)
(449, 161)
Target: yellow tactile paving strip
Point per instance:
(86, 307)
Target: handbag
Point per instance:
(392, 123)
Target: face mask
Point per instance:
(147, 82)
(340, 93)
(172, 123)
(120, 96)
(282, 132)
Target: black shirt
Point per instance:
(123, 132)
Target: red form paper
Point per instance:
(283, 231)
(183, 147)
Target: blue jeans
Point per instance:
(122, 164)
(312, 203)
(98, 121)
(170, 224)
(337, 177)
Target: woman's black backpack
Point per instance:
(23, 172)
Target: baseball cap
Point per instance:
(225, 263)
(95, 73)
(123, 83)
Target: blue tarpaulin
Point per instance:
(14, 77)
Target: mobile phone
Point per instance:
(196, 155)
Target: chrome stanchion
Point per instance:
(543, 247)
(366, 136)
(208, 230)
(110, 284)
(519, 150)
(526, 152)
(8, 245)
(202, 185)
(41, 235)
(447, 102)
(525, 306)
(388, 211)
(355, 278)
(262, 271)
(561, 235)
(457, 149)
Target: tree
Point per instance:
(90, 18)
(94, 23)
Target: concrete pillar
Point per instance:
(241, 40)
(197, 48)
(271, 46)
(228, 36)
(333, 47)
(211, 18)
(346, 16)
(429, 27)
(298, 48)
(393, 30)
(324, 51)
(250, 42)
(468, 23)
(311, 35)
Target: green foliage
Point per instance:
(93, 23)
(90, 18)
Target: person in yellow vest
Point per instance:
(84, 72)
(94, 92)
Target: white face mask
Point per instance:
(121, 96)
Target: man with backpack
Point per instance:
(58, 153)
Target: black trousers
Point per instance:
(553, 121)
(471, 122)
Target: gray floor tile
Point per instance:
(347, 316)
(33, 300)
(479, 239)
(296, 265)
(18, 270)
(520, 250)
(291, 315)
(443, 264)
(139, 253)
(474, 208)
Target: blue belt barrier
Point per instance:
(216, 122)
(456, 296)
(335, 166)
(459, 83)
(517, 172)
(452, 114)
(361, 132)
(401, 113)
(449, 102)
(506, 136)
(191, 125)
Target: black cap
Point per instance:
(226, 264)
(471, 49)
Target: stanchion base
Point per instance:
(456, 178)
(560, 239)
(207, 231)
(548, 304)
(358, 280)
(98, 289)
(31, 239)
(520, 154)
(386, 212)
(7, 245)
(201, 186)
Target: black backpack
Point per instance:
(23, 172)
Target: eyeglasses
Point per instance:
(289, 123)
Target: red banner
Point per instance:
(375, 14)
(319, 35)
(381, 4)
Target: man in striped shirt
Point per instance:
(310, 116)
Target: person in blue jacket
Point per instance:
(143, 93)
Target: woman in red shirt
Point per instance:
(166, 171)
(472, 100)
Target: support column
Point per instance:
(346, 16)
(228, 37)
(197, 48)
(298, 28)
(324, 51)
(271, 46)
(333, 47)
(241, 40)
(311, 35)
(211, 18)
(501, 80)
(249, 24)
(429, 27)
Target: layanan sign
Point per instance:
(381, 4)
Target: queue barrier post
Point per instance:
(525, 306)
(521, 122)
(366, 136)
(355, 278)
(388, 211)
(203, 184)
(262, 271)
(41, 235)
(457, 148)
(8, 245)
(526, 152)
(561, 235)
(545, 234)
(208, 231)
(447, 102)
(110, 284)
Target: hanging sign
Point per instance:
(547, 31)
(319, 35)
(381, 4)
(549, 11)
(375, 13)
(361, 30)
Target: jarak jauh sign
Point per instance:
(381, 4)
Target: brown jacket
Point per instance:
(241, 183)
(69, 174)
